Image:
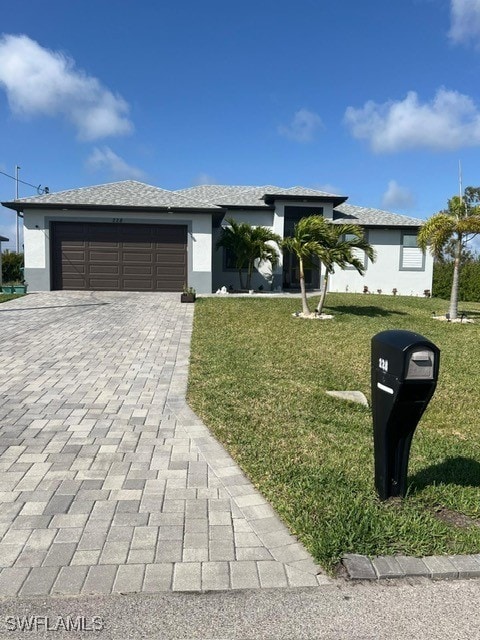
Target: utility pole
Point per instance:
(17, 169)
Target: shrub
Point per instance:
(12, 267)
(469, 289)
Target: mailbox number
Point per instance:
(383, 364)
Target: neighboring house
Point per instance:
(135, 237)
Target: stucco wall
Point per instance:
(385, 273)
(37, 241)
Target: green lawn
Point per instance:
(5, 297)
(258, 379)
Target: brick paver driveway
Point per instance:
(108, 481)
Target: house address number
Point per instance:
(117, 219)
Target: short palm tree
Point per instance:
(305, 244)
(455, 227)
(339, 247)
(249, 245)
(333, 245)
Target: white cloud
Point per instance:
(204, 178)
(38, 81)
(104, 158)
(450, 121)
(397, 197)
(303, 127)
(328, 188)
(465, 21)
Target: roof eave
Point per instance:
(243, 207)
(336, 200)
(21, 206)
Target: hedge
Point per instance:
(469, 289)
(12, 267)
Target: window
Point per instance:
(357, 253)
(228, 260)
(412, 257)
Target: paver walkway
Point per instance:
(108, 481)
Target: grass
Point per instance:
(258, 379)
(5, 297)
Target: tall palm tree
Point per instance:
(339, 246)
(305, 244)
(454, 226)
(249, 244)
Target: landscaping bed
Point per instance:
(258, 379)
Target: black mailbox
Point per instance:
(404, 377)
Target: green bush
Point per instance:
(469, 289)
(12, 267)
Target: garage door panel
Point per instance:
(119, 257)
(74, 256)
(104, 269)
(138, 256)
(167, 270)
(141, 246)
(104, 256)
(173, 258)
(140, 270)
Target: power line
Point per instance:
(39, 188)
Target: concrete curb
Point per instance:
(359, 567)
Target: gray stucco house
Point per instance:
(136, 237)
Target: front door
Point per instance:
(291, 273)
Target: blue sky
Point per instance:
(378, 100)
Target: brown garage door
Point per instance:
(118, 257)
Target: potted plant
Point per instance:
(19, 287)
(188, 294)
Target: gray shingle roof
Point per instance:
(238, 196)
(131, 193)
(372, 217)
(128, 193)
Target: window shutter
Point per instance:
(412, 258)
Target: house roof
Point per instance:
(368, 217)
(3, 239)
(249, 196)
(127, 194)
(244, 196)
(130, 194)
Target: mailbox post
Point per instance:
(404, 377)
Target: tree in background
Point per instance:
(249, 245)
(449, 231)
(12, 267)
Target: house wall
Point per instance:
(37, 241)
(385, 272)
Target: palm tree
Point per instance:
(305, 244)
(249, 245)
(338, 248)
(454, 226)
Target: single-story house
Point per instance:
(132, 236)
